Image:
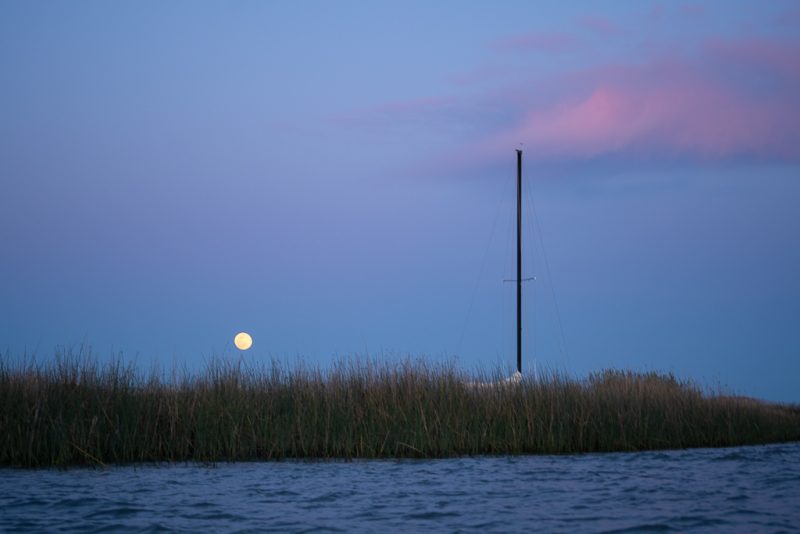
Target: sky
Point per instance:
(336, 179)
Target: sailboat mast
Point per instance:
(519, 261)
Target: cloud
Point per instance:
(728, 99)
(734, 98)
(689, 117)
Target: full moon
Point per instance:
(243, 341)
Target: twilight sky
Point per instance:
(337, 178)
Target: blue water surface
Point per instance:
(745, 489)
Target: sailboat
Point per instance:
(516, 378)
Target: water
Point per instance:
(736, 489)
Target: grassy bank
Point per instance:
(76, 411)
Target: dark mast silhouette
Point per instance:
(519, 261)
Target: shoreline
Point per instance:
(75, 411)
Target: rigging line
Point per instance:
(563, 344)
(530, 330)
(527, 321)
(562, 336)
(509, 265)
(539, 242)
(480, 274)
(530, 304)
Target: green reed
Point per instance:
(74, 410)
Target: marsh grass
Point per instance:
(73, 410)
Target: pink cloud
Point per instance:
(731, 99)
(690, 117)
(670, 108)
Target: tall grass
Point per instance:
(74, 410)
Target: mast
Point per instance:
(519, 261)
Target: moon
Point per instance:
(243, 341)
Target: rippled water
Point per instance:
(739, 489)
